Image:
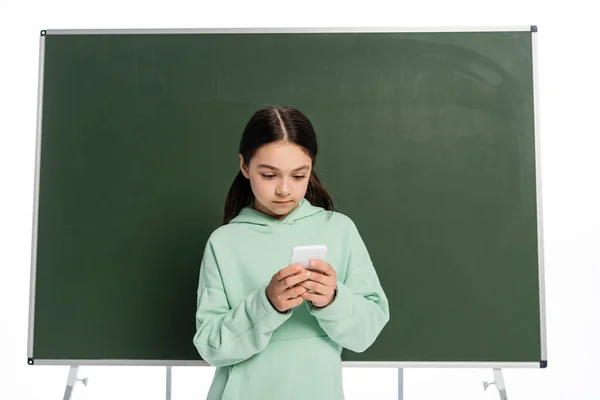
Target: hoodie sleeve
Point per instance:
(360, 309)
(225, 335)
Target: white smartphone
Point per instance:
(303, 255)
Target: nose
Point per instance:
(283, 189)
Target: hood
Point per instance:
(249, 215)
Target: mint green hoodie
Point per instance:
(260, 353)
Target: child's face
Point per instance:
(279, 174)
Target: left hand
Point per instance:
(322, 283)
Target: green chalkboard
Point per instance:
(427, 141)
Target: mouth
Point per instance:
(282, 202)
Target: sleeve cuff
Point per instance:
(270, 316)
(337, 305)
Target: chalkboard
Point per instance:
(427, 141)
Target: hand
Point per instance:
(323, 283)
(283, 292)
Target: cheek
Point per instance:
(260, 187)
(305, 184)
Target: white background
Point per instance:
(569, 72)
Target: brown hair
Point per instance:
(275, 124)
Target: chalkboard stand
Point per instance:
(499, 382)
(71, 381)
(168, 394)
(400, 383)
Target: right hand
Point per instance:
(281, 290)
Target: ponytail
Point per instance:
(239, 196)
(317, 195)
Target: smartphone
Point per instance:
(303, 255)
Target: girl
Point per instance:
(256, 322)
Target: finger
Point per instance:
(317, 287)
(321, 278)
(293, 292)
(315, 298)
(322, 266)
(287, 271)
(294, 279)
(294, 302)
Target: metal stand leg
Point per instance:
(400, 383)
(71, 381)
(499, 382)
(168, 383)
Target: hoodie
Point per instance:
(260, 353)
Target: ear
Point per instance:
(243, 167)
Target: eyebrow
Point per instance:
(277, 169)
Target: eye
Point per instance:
(299, 177)
(268, 176)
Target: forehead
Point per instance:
(281, 155)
